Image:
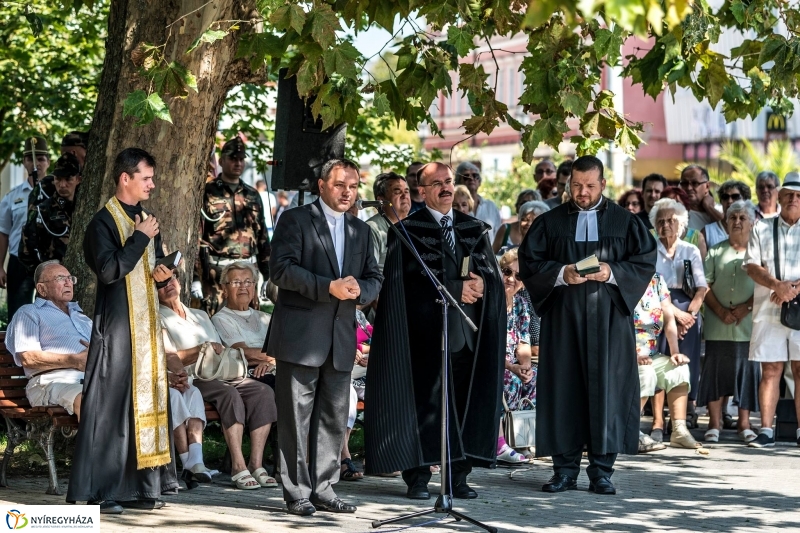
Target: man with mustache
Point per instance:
(588, 385)
(403, 394)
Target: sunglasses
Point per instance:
(507, 272)
(725, 197)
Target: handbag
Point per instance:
(228, 365)
(519, 427)
(790, 311)
(688, 285)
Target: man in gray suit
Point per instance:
(323, 265)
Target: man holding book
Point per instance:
(586, 264)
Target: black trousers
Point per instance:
(569, 464)
(20, 286)
(459, 472)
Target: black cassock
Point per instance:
(104, 464)
(587, 389)
(402, 402)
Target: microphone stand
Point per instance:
(444, 503)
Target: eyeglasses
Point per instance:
(507, 272)
(547, 171)
(692, 184)
(725, 197)
(62, 279)
(632, 204)
(239, 283)
(470, 176)
(439, 184)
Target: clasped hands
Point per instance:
(785, 291)
(523, 372)
(345, 288)
(571, 276)
(472, 289)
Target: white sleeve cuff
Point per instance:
(560, 281)
(611, 279)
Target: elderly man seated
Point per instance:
(49, 340)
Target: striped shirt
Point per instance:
(761, 251)
(41, 326)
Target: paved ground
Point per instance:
(732, 489)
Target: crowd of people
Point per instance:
(688, 288)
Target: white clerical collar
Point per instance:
(438, 215)
(329, 211)
(586, 230)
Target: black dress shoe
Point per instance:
(602, 485)
(335, 505)
(301, 507)
(107, 506)
(418, 491)
(145, 505)
(560, 483)
(463, 491)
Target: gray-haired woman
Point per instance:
(528, 212)
(727, 371)
(729, 192)
(670, 219)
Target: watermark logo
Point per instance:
(16, 519)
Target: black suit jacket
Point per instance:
(308, 323)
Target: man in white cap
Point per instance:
(777, 278)
(470, 175)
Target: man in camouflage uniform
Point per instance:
(46, 233)
(233, 228)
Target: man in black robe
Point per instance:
(403, 390)
(588, 386)
(123, 449)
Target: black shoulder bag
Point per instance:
(790, 311)
(688, 285)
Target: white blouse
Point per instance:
(184, 334)
(671, 268)
(248, 326)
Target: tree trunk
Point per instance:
(181, 149)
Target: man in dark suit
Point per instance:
(323, 265)
(403, 394)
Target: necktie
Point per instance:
(447, 231)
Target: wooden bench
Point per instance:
(38, 424)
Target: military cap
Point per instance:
(74, 138)
(39, 144)
(234, 148)
(67, 166)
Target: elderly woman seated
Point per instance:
(240, 403)
(519, 383)
(241, 326)
(653, 315)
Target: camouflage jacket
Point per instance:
(233, 224)
(46, 232)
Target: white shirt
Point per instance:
(438, 217)
(13, 214)
(715, 234)
(184, 334)
(761, 251)
(671, 268)
(249, 327)
(488, 212)
(269, 201)
(336, 226)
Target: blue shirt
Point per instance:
(41, 326)
(13, 215)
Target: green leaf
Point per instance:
(713, 79)
(549, 130)
(381, 104)
(324, 25)
(145, 108)
(289, 16)
(341, 60)
(476, 124)
(259, 46)
(35, 23)
(628, 140)
(589, 123)
(308, 77)
(574, 103)
(471, 78)
(608, 44)
(461, 38)
(737, 9)
(174, 79)
(208, 36)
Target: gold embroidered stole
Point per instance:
(149, 364)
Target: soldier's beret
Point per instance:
(234, 148)
(67, 166)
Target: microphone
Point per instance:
(363, 204)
